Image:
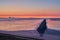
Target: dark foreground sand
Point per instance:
(14, 37)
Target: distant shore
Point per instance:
(9, 19)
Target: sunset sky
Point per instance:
(31, 8)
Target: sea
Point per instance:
(31, 24)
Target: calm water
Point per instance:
(27, 25)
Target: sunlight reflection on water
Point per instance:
(27, 25)
(19, 25)
(53, 24)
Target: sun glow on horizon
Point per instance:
(30, 16)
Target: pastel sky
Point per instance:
(29, 7)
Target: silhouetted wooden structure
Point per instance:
(42, 27)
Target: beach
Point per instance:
(27, 28)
